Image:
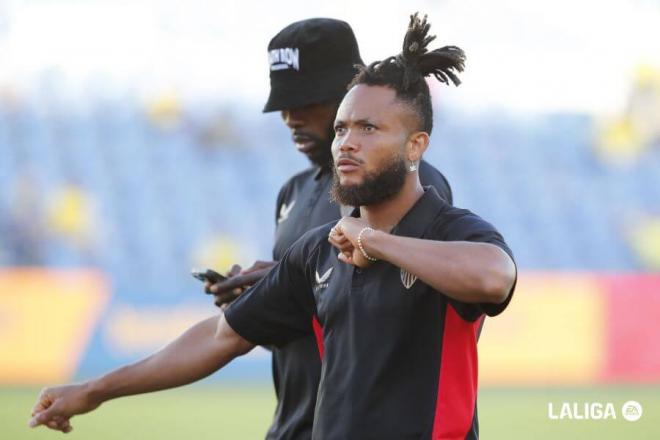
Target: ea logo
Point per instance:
(631, 411)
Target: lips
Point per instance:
(346, 165)
(305, 144)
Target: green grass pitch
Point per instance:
(213, 411)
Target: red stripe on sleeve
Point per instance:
(457, 386)
(318, 332)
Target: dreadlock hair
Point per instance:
(405, 72)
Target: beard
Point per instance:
(377, 186)
(321, 156)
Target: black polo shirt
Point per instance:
(400, 358)
(302, 204)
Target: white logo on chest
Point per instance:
(322, 280)
(408, 279)
(285, 210)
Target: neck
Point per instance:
(385, 215)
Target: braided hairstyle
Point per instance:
(405, 72)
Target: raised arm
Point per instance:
(466, 271)
(470, 272)
(201, 350)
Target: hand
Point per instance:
(55, 406)
(344, 237)
(237, 282)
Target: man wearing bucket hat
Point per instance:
(311, 63)
(403, 309)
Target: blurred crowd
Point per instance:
(146, 189)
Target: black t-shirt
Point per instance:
(302, 204)
(400, 358)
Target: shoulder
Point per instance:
(300, 177)
(295, 181)
(311, 241)
(456, 224)
(318, 235)
(430, 175)
(453, 223)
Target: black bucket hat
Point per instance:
(311, 61)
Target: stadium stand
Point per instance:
(159, 193)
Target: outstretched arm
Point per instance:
(200, 351)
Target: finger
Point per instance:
(43, 417)
(338, 241)
(334, 244)
(337, 232)
(42, 405)
(43, 402)
(264, 266)
(225, 298)
(342, 257)
(232, 283)
(64, 425)
(240, 282)
(257, 265)
(59, 423)
(57, 426)
(207, 286)
(345, 246)
(252, 277)
(235, 270)
(339, 238)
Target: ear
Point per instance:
(417, 144)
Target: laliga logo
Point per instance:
(631, 411)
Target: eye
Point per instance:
(339, 129)
(369, 128)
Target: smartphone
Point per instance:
(208, 275)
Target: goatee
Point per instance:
(376, 187)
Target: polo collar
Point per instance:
(320, 171)
(415, 222)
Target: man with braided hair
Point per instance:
(322, 55)
(401, 286)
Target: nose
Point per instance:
(345, 144)
(293, 118)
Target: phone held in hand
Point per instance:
(208, 275)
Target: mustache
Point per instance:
(349, 157)
(304, 134)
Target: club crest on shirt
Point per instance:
(322, 280)
(408, 279)
(285, 210)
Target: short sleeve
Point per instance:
(470, 227)
(279, 308)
